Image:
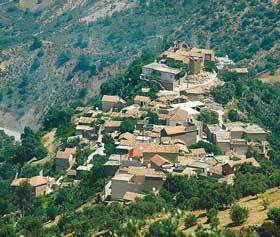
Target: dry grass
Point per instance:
(257, 213)
(271, 79)
(49, 142)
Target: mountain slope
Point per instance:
(55, 72)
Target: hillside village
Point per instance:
(147, 139)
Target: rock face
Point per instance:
(65, 50)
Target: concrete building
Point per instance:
(158, 162)
(187, 134)
(112, 101)
(135, 179)
(143, 101)
(147, 151)
(195, 65)
(39, 184)
(168, 76)
(64, 160)
(111, 126)
(177, 117)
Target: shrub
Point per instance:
(190, 220)
(238, 214)
(274, 215)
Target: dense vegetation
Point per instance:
(259, 101)
(75, 55)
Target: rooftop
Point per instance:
(111, 98)
(33, 181)
(172, 130)
(63, 155)
(154, 148)
(162, 68)
(131, 196)
(159, 160)
(142, 98)
(112, 123)
(178, 114)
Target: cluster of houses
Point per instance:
(155, 147)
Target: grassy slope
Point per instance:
(239, 29)
(257, 214)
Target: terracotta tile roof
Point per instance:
(86, 120)
(143, 171)
(111, 98)
(178, 114)
(154, 148)
(111, 123)
(142, 98)
(131, 196)
(159, 160)
(34, 181)
(71, 151)
(63, 155)
(126, 136)
(198, 151)
(172, 130)
(136, 153)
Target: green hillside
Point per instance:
(55, 56)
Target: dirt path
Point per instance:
(51, 145)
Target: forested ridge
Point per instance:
(63, 53)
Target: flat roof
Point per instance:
(162, 68)
(123, 177)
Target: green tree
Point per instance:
(128, 125)
(31, 226)
(7, 230)
(238, 214)
(23, 197)
(190, 220)
(274, 214)
(36, 44)
(165, 227)
(209, 116)
(233, 115)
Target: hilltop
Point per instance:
(63, 51)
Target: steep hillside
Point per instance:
(65, 50)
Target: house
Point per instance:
(143, 101)
(242, 73)
(169, 152)
(177, 117)
(197, 152)
(167, 76)
(255, 133)
(158, 162)
(135, 179)
(64, 160)
(223, 141)
(112, 101)
(187, 134)
(111, 167)
(111, 126)
(239, 146)
(82, 130)
(86, 121)
(39, 184)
